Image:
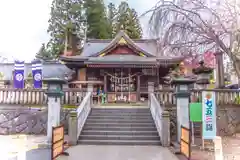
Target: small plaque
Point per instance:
(185, 142)
(185, 135)
(185, 150)
(57, 141)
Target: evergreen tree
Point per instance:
(43, 53)
(65, 15)
(127, 20)
(97, 23)
(112, 12)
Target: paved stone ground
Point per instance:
(92, 152)
(12, 146)
(231, 150)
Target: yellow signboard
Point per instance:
(185, 142)
(57, 148)
(58, 134)
(185, 135)
(185, 149)
(57, 141)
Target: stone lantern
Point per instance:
(54, 93)
(203, 74)
(182, 94)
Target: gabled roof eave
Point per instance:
(129, 41)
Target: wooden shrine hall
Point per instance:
(121, 67)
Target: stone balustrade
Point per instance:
(37, 96)
(223, 96)
(75, 96)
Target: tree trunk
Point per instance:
(236, 65)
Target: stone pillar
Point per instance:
(220, 82)
(90, 87)
(150, 90)
(165, 139)
(182, 95)
(54, 109)
(73, 128)
(138, 88)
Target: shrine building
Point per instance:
(121, 67)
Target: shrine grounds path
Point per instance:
(109, 152)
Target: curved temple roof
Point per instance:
(96, 51)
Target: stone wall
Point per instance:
(228, 121)
(26, 120)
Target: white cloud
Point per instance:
(24, 24)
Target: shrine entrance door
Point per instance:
(122, 86)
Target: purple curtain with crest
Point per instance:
(18, 78)
(37, 73)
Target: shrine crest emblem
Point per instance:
(19, 77)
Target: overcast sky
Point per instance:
(24, 24)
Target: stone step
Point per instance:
(119, 142)
(120, 128)
(118, 137)
(119, 114)
(109, 132)
(122, 109)
(114, 124)
(121, 120)
(110, 118)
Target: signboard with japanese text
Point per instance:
(57, 141)
(185, 143)
(209, 115)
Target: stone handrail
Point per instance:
(38, 97)
(223, 96)
(83, 112)
(161, 119)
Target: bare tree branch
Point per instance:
(194, 26)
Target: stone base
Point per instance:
(45, 146)
(175, 148)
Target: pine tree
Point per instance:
(65, 15)
(137, 29)
(43, 53)
(112, 12)
(97, 23)
(127, 20)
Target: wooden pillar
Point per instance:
(220, 82)
(105, 84)
(138, 87)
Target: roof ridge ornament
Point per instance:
(122, 41)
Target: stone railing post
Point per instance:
(73, 128)
(90, 87)
(150, 90)
(165, 129)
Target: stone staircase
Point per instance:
(119, 126)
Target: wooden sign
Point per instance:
(185, 144)
(57, 141)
